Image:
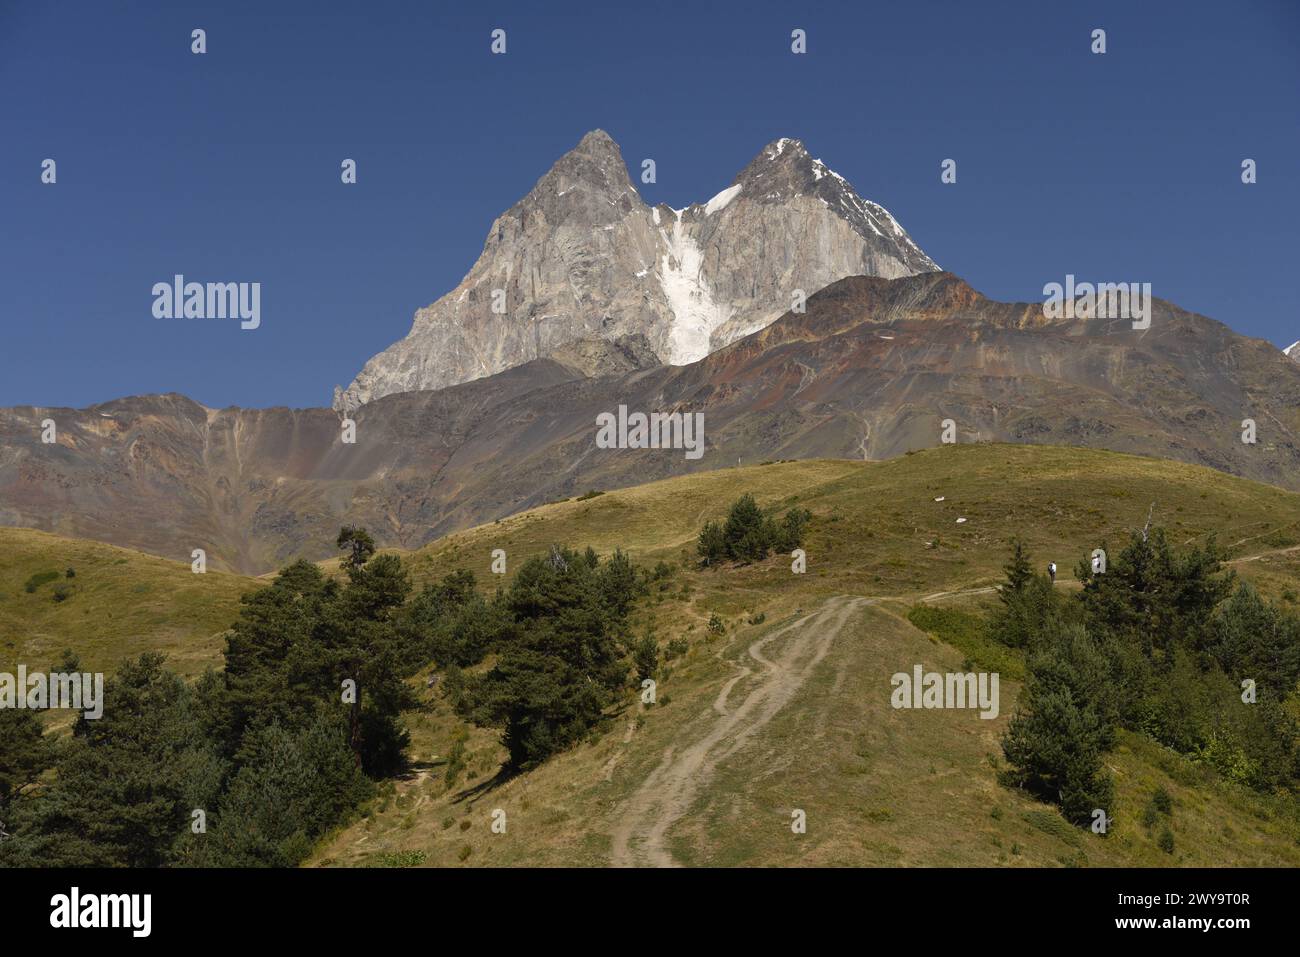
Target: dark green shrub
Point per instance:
(645, 658)
(748, 535)
(1166, 841)
(39, 579)
(1162, 802)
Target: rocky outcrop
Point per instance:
(583, 258)
(600, 357)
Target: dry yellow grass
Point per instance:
(879, 786)
(120, 603)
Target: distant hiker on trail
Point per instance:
(1051, 571)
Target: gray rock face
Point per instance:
(1293, 350)
(582, 258)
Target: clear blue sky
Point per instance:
(225, 167)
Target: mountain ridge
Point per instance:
(871, 369)
(582, 256)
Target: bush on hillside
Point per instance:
(747, 535)
(39, 579)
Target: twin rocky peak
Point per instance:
(581, 270)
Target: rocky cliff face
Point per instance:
(583, 258)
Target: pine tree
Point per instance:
(359, 545)
(712, 544)
(1156, 598)
(555, 679)
(1252, 638)
(645, 656)
(1063, 725)
(25, 754)
(127, 782)
(747, 535)
(1018, 570)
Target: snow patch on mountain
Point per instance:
(695, 313)
(722, 199)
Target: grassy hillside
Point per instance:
(878, 786)
(118, 604)
(787, 706)
(879, 529)
(783, 703)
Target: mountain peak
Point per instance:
(786, 148)
(781, 164)
(597, 137)
(582, 257)
(785, 169)
(596, 160)
(598, 145)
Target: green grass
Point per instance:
(117, 604)
(968, 633)
(39, 579)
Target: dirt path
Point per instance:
(670, 789)
(666, 795)
(1255, 558)
(607, 772)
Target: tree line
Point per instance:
(251, 764)
(1165, 642)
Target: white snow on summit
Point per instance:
(722, 199)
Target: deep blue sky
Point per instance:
(225, 167)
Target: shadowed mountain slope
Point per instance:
(870, 370)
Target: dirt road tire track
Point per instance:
(666, 795)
